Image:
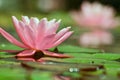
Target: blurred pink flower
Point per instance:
(96, 38)
(95, 16)
(37, 36)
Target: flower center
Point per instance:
(38, 55)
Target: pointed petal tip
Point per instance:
(53, 20)
(66, 29)
(69, 27)
(14, 19)
(44, 19)
(68, 34)
(26, 19)
(59, 21)
(0, 28)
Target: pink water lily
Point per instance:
(37, 36)
(95, 16)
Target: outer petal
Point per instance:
(61, 33)
(26, 53)
(63, 38)
(10, 51)
(25, 19)
(11, 39)
(57, 55)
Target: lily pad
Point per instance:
(87, 64)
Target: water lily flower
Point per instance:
(95, 16)
(95, 39)
(37, 36)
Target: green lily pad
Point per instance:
(88, 64)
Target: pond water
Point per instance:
(88, 64)
(57, 70)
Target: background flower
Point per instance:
(95, 16)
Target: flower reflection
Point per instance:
(96, 38)
(30, 59)
(60, 77)
(95, 16)
(37, 36)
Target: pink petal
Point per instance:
(16, 23)
(56, 25)
(10, 51)
(26, 53)
(61, 33)
(19, 26)
(47, 39)
(11, 38)
(61, 39)
(42, 27)
(24, 33)
(40, 32)
(34, 22)
(25, 19)
(45, 30)
(52, 26)
(29, 36)
(57, 55)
